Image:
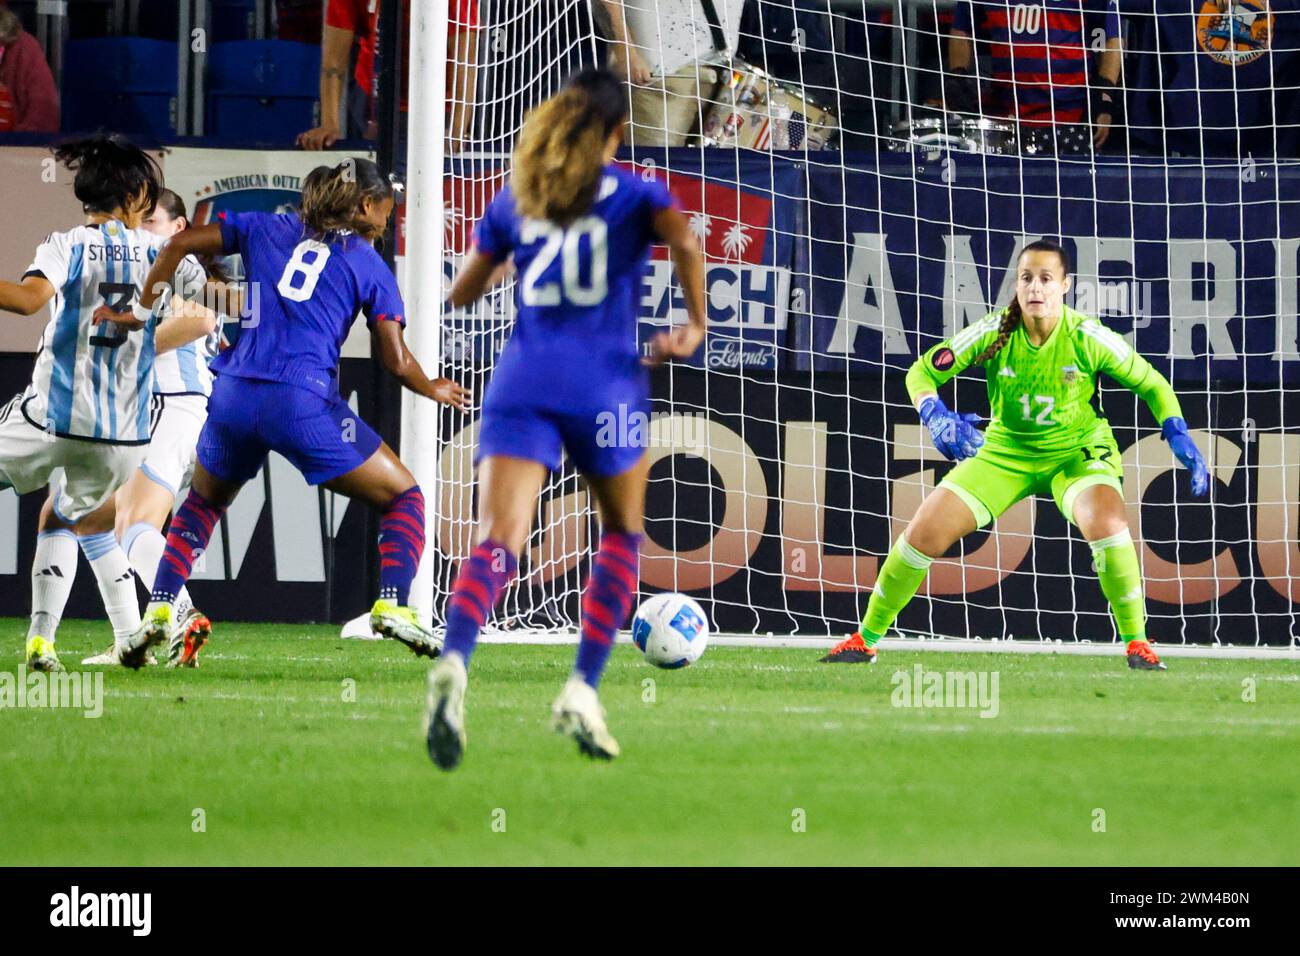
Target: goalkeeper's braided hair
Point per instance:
(1011, 315)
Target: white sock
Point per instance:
(53, 571)
(116, 582)
(144, 546)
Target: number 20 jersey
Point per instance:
(304, 296)
(574, 344)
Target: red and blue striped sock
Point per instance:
(606, 601)
(187, 539)
(401, 542)
(478, 586)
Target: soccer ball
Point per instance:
(671, 630)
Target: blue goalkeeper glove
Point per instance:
(954, 435)
(1174, 431)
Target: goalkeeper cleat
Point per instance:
(41, 655)
(577, 713)
(1142, 657)
(188, 639)
(403, 624)
(444, 730)
(852, 650)
(153, 630)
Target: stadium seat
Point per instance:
(123, 84)
(232, 20)
(262, 91)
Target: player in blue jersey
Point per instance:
(186, 343)
(308, 275)
(86, 412)
(579, 230)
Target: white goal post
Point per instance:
(786, 456)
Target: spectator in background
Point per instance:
(347, 21)
(1217, 78)
(668, 51)
(1046, 57)
(29, 102)
(791, 40)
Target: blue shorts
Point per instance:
(601, 445)
(322, 437)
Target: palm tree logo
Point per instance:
(700, 224)
(736, 240)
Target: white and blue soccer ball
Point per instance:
(671, 630)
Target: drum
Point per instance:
(1062, 139)
(958, 133)
(752, 110)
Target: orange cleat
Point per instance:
(1142, 657)
(852, 650)
(183, 650)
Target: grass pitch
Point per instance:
(291, 746)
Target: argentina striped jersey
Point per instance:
(89, 383)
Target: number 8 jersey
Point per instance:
(95, 382)
(578, 288)
(305, 295)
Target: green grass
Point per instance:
(288, 772)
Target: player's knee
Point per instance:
(929, 537)
(1098, 517)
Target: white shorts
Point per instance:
(31, 458)
(169, 459)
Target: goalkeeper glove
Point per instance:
(1174, 431)
(954, 435)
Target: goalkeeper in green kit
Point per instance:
(1041, 359)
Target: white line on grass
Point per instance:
(926, 643)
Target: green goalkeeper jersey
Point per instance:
(1040, 396)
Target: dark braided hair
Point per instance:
(1011, 315)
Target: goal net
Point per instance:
(850, 222)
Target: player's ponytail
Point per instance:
(1011, 315)
(332, 197)
(112, 173)
(561, 150)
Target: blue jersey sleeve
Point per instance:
(1105, 14)
(494, 234)
(656, 197)
(235, 227)
(381, 301)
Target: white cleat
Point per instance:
(445, 719)
(577, 713)
(153, 630)
(112, 658)
(359, 629)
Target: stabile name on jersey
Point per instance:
(118, 252)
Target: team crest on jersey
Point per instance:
(1069, 374)
(942, 360)
(1237, 37)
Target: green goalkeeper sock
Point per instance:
(901, 574)
(1116, 561)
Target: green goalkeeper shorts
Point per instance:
(1002, 473)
